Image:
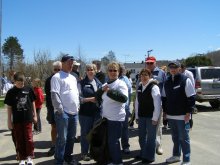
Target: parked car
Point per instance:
(207, 84)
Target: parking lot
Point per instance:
(205, 137)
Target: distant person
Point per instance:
(187, 73)
(6, 84)
(65, 100)
(159, 75)
(99, 74)
(75, 70)
(125, 137)
(75, 73)
(137, 77)
(21, 113)
(57, 65)
(148, 110)
(90, 110)
(36, 83)
(178, 98)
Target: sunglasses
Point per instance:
(149, 63)
(112, 70)
(56, 70)
(90, 69)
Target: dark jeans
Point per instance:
(24, 140)
(147, 138)
(114, 134)
(86, 124)
(125, 137)
(37, 126)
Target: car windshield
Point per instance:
(210, 73)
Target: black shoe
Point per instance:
(73, 162)
(146, 161)
(86, 157)
(51, 152)
(77, 139)
(138, 157)
(126, 151)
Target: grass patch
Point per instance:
(1, 103)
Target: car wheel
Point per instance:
(195, 110)
(215, 103)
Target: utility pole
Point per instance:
(1, 35)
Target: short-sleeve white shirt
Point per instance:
(65, 85)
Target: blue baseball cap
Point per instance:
(66, 57)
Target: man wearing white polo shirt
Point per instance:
(65, 99)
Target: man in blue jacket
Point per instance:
(178, 100)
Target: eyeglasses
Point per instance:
(56, 70)
(111, 70)
(90, 69)
(149, 63)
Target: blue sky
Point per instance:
(174, 29)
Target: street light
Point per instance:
(148, 54)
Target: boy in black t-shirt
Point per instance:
(21, 114)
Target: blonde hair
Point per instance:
(91, 66)
(164, 68)
(113, 65)
(36, 82)
(57, 63)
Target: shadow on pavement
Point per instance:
(42, 144)
(3, 130)
(8, 158)
(204, 108)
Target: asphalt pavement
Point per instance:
(205, 146)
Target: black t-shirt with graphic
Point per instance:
(21, 101)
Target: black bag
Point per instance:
(97, 139)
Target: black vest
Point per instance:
(176, 96)
(145, 101)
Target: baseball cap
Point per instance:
(175, 63)
(66, 57)
(150, 59)
(76, 63)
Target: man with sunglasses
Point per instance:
(159, 75)
(50, 110)
(178, 100)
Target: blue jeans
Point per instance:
(66, 125)
(147, 138)
(125, 136)
(86, 124)
(180, 137)
(114, 134)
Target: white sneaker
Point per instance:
(22, 162)
(185, 163)
(159, 150)
(29, 161)
(173, 159)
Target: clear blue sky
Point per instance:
(172, 28)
